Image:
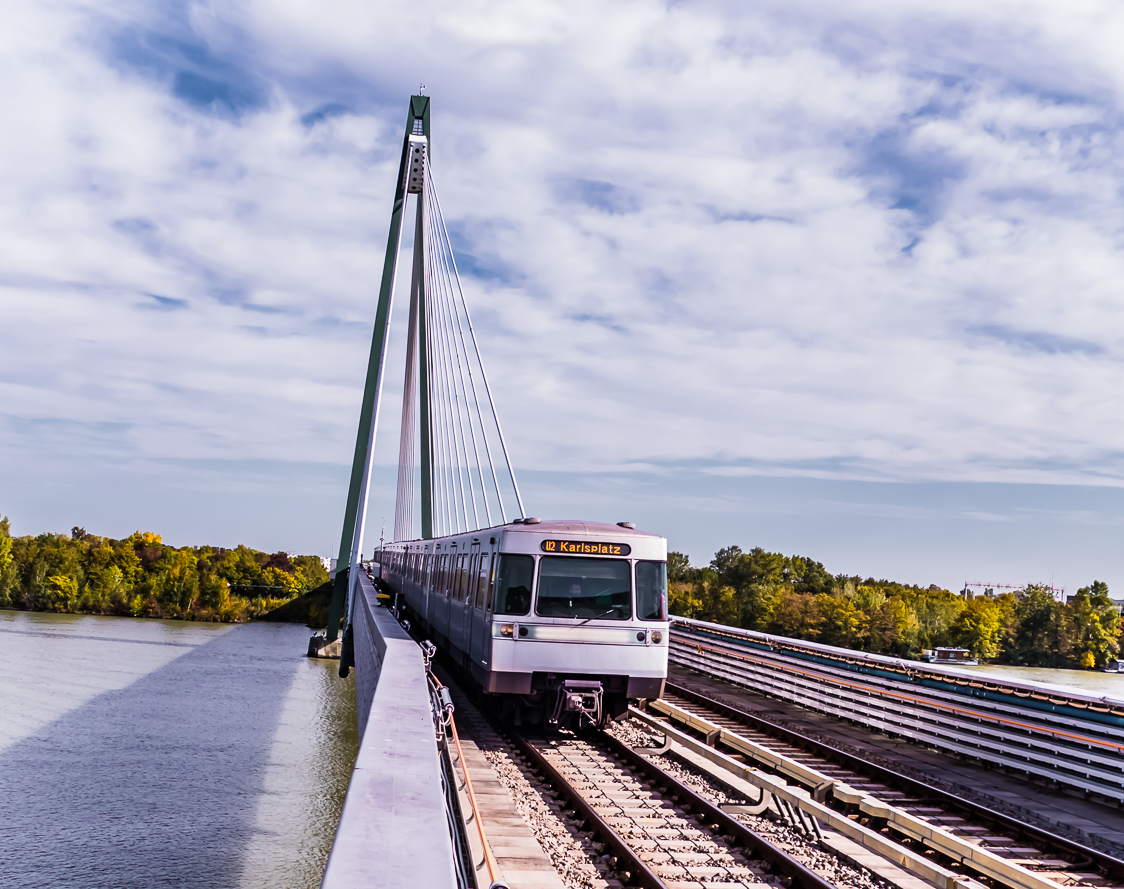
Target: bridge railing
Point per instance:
(394, 830)
(1068, 738)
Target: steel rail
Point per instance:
(1110, 865)
(638, 871)
(779, 860)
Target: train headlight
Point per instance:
(507, 630)
(657, 637)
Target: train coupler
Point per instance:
(578, 700)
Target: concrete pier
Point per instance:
(320, 647)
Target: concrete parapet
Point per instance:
(394, 830)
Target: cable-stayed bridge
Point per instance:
(454, 470)
(566, 623)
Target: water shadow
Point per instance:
(154, 784)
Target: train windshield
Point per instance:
(586, 588)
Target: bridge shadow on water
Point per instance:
(155, 784)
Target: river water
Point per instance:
(141, 753)
(1085, 681)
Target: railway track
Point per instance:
(996, 835)
(593, 797)
(659, 831)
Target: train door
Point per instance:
(456, 602)
(433, 604)
(481, 642)
(442, 603)
(468, 597)
(422, 600)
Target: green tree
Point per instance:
(178, 581)
(1095, 626)
(725, 562)
(678, 568)
(62, 592)
(7, 564)
(807, 575)
(839, 620)
(1041, 634)
(935, 612)
(978, 627)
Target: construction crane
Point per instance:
(990, 588)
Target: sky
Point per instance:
(841, 280)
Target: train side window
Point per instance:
(482, 578)
(651, 590)
(469, 589)
(491, 582)
(513, 584)
(458, 579)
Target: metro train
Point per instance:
(564, 622)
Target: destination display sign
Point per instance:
(585, 548)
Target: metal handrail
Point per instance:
(489, 858)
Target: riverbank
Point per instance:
(233, 611)
(141, 576)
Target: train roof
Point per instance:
(577, 526)
(569, 527)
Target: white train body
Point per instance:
(565, 619)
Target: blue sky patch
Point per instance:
(164, 303)
(191, 71)
(603, 196)
(907, 178)
(1038, 340)
(324, 112)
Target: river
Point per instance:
(140, 753)
(1085, 681)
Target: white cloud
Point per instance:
(792, 239)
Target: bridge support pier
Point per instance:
(319, 646)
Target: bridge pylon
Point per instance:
(450, 437)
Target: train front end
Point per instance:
(579, 623)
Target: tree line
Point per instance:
(796, 596)
(141, 576)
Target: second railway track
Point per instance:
(1003, 836)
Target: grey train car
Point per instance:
(565, 621)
